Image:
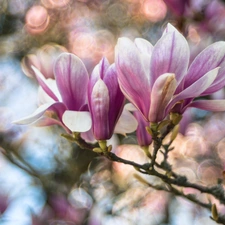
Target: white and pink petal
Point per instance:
(77, 121)
(72, 80)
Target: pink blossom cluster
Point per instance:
(157, 79)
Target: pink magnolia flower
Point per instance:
(68, 93)
(64, 100)
(158, 79)
(105, 99)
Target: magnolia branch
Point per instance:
(170, 178)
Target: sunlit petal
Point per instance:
(44, 84)
(198, 87)
(211, 105)
(72, 80)
(99, 107)
(170, 55)
(210, 58)
(38, 113)
(162, 93)
(77, 121)
(126, 123)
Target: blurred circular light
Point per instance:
(209, 172)
(37, 19)
(82, 44)
(55, 3)
(154, 10)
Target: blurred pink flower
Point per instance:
(37, 19)
(43, 60)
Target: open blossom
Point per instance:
(64, 101)
(158, 79)
(66, 95)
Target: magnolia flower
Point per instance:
(158, 80)
(105, 100)
(43, 60)
(66, 98)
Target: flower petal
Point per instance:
(77, 121)
(145, 49)
(126, 123)
(44, 83)
(40, 111)
(210, 105)
(162, 93)
(143, 45)
(72, 80)
(197, 88)
(43, 97)
(210, 58)
(115, 95)
(46, 121)
(170, 55)
(99, 108)
(132, 76)
(143, 137)
(98, 73)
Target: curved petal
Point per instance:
(77, 121)
(126, 123)
(72, 80)
(44, 83)
(170, 55)
(162, 93)
(98, 73)
(43, 97)
(132, 76)
(99, 108)
(144, 46)
(196, 89)
(210, 105)
(58, 107)
(88, 136)
(115, 95)
(46, 121)
(145, 49)
(143, 137)
(211, 57)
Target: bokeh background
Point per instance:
(44, 179)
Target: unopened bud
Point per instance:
(175, 118)
(163, 124)
(149, 130)
(109, 148)
(68, 137)
(175, 131)
(102, 144)
(154, 127)
(214, 212)
(97, 150)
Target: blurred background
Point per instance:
(44, 179)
